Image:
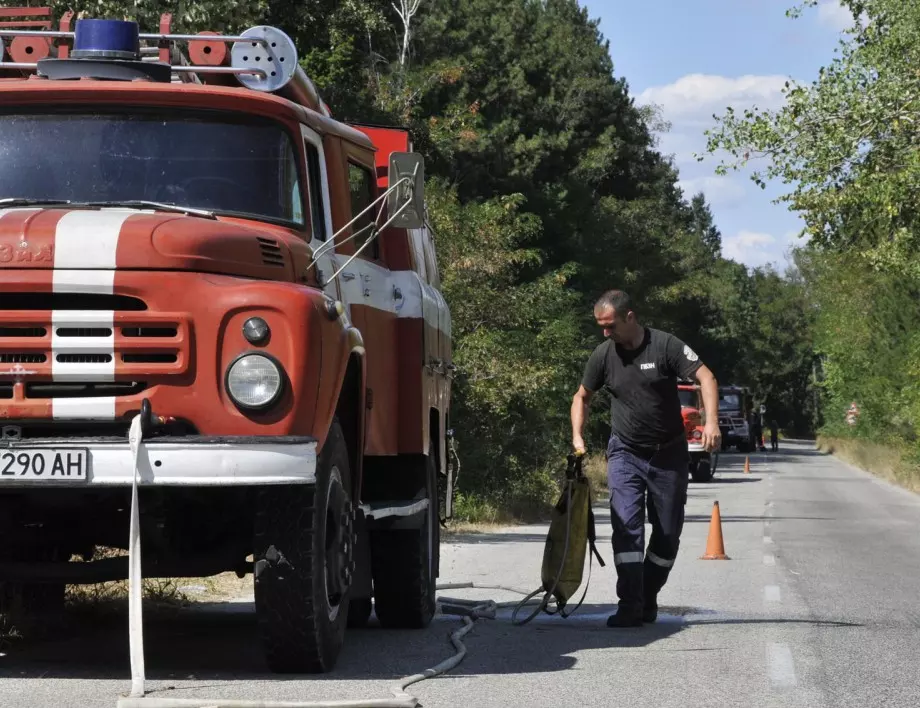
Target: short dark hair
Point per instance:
(618, 300)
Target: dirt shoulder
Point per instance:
(883, 461)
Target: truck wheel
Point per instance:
(304, 538)
(405, 566)
(34, 609)
(702, 471)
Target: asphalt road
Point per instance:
(819, 605)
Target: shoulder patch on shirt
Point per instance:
(690, 354)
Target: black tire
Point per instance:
(33, 609)
(303, 551)
(701, 471)
(405, 563)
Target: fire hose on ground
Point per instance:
(571, 514)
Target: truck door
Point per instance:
(373, 302)
(318, 211)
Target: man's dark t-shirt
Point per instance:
(645, 407)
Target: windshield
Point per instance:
(235, 166)
(729, 402)
(687, 398)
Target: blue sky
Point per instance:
(695, 57)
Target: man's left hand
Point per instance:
(712, 436)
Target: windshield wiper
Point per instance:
(128, 203)
(141, 203)
(19, 201)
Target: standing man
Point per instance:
(774, 435)
(647, 451)
(756, 429)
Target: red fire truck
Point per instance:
(702, 463)
(193, 248)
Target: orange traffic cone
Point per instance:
(747, 465)
(715, 548)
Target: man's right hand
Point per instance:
(578, 444)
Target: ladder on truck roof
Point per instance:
(263, 58)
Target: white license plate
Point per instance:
(45, 464)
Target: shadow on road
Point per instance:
(728, 519)
(757, 620)
(219, 644)
(206, 644)
(717, 480)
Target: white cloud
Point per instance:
(690, 102)
(719, 191)
(697, 96)
(753, 248)
(832, 14)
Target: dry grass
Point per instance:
(481, 517)
(880, 460)
(595, 468)
(99, 601)
(462, 528)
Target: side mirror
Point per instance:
(410, 195)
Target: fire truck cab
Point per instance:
(702, 463)
(734, 405)
(217, 295)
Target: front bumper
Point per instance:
(735, 434)
(201, 461)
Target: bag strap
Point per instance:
(592, 535)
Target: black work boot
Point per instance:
(650, 610)
(625, 618)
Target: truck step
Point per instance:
(395, 514)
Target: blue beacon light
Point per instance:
(106, 39)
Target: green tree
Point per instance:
(702, 224)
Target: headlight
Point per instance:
(254, 381)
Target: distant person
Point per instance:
(639, 367)
(756, 428)
(774, 435)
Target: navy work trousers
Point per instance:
(640, 479)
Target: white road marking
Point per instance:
(780, 665)
(767, 539)
(771, 593)
(769, 559)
